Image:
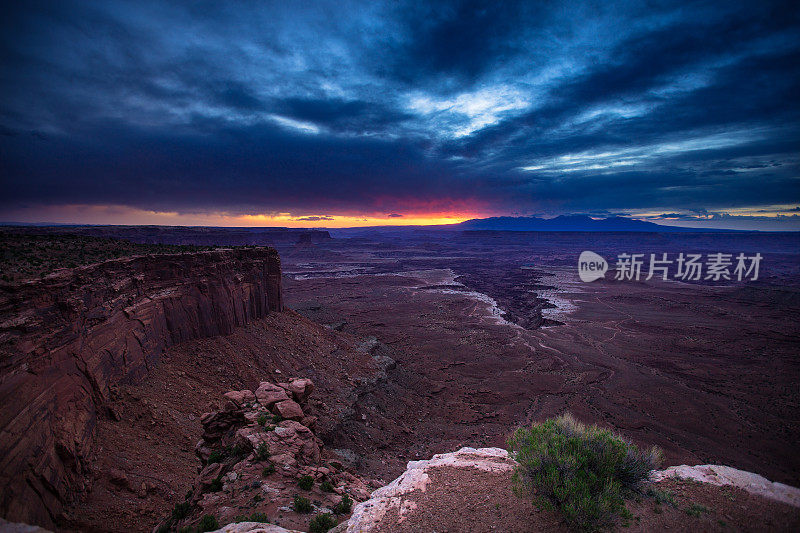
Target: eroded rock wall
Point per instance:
(65, 339)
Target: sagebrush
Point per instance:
(582, 471)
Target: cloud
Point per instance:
(314, 218)
(400, 107)
(395, 215)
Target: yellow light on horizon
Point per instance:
(122, 215)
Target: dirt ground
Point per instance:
(467, 500)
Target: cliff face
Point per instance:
(65, 339)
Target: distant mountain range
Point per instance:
(569, 223)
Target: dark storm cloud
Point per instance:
(370, 107)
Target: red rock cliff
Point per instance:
(66, 338)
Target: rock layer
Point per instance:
(725, 475)
(393, 498)
(69, 337)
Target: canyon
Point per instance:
(418, 343)
(70, 337)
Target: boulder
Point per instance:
(301, 389)
(289, 410)
(240, 397)
(268, 394)
(253, 527)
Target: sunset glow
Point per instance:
(122, 215)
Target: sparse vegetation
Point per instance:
(262, 419)
(25, 255)
(277, 419)
(302, 505)
(216, 456)
(216, 485)
(236, 451)
(321, 523)
(262, 452)
(259, 517)
(696, 509)
(255, 517)
(305, 482)
(207, 523)
(326, 486)
(181, 510)
(269, 469)
(662, 496)
(582, 471)
(344, 506)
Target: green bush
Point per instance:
(216, 485)
(181, 510)
(269, 469)
(207, 523)
(305, 482)
(696, 509)
(302, 505)
(326, 486)
(262, 419)
(344, 505)
(259, 517)
(262, 452)
(583, 471)
(216, 457)
(321, 523)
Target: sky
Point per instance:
(362, 113)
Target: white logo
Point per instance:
(591, 266)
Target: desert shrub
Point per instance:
(321, 523)
(216, 457)
(583, 471)
(269, 469)
(302, 505)
(262, 452)
(259, 517)
(277, 419)
(662, 496)
(207, 523)
(326, 486)
(238, 450)
(696, 509)
(262, 419)
(305, 482)
(216, 485)
(344, 505)
(181, 510)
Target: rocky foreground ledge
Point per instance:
(470, 491)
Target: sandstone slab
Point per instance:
(268, 394)
(289, 409)
(726, 475)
